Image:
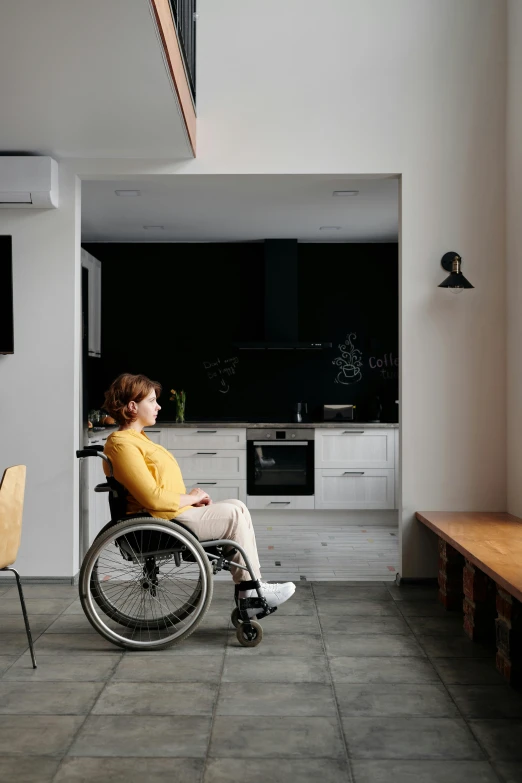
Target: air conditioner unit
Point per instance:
(29, 182)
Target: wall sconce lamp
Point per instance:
(456, 281)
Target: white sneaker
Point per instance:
(274, 594)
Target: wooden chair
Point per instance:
(12, 489)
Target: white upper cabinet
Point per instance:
(93, 266)
(355, 448)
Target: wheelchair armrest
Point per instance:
(103, 488)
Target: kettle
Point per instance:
(300, 408)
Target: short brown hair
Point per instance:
(127, 388)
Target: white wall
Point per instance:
(415, 87)
(514, 257)
(39, 383)
(412, 87)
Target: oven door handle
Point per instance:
(281, 442)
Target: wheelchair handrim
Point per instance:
(96, 616)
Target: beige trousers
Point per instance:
(226, 519)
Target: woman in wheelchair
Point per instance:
(154, 489)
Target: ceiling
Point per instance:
(86, 79)
(220, 208)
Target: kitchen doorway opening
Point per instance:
(276, 302)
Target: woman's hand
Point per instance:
(202, 497)
(197, 497)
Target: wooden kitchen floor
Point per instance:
(333, 552)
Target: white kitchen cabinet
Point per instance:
(201, 438)
(348, 488)
(280, 502)
(210, 465)
(156, 436)
(93, 266)
(213, 458)
(355, 448)
(221, 489)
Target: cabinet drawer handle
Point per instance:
(279, 502)
(206, 483)
(206, 453)
(353, 432)
(206, 432)
(353, 473)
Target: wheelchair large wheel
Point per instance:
(145, 583)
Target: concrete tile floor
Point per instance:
(352, 682)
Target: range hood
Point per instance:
(281, 318)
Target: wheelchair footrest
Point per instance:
(261, 607)
(269, 610)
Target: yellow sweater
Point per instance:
(149, 473)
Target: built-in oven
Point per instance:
(280, 461)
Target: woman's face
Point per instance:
(146, 410)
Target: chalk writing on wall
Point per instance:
(220, 371)
(349, 362)
(387, 365)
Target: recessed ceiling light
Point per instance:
(329, 228)
(156, 227)
(128, 192)
(345, 193)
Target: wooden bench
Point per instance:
(480, 570)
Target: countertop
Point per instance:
(344, 425)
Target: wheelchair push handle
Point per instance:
(85, 453)
(89, 451)
(95, 451)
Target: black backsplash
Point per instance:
(174, 311)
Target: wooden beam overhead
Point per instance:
(174, 59)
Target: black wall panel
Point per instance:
(173, 312)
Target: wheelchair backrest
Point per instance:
(117, 499)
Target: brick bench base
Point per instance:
(451, 563)
(488, 582)
(509, 637)
(479, 604)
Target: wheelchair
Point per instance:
(146, 583)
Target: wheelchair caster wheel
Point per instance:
(236, 622)
(249, 634)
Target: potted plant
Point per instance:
(179, 398)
